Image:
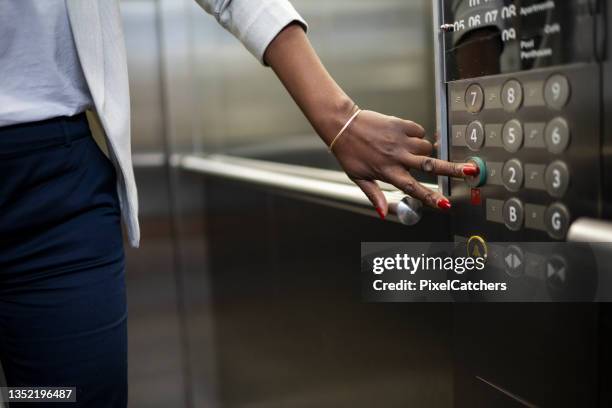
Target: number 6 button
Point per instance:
(557, 135)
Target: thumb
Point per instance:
(375, 195)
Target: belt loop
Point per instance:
(67, 136)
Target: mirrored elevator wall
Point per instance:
(243, 297)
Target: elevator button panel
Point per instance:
(530, 129)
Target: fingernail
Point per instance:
(444, 204)
(471, 170)
(381, 213)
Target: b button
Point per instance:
(514, 214)
(557, 220)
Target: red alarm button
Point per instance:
(476, 200)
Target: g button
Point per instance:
(557, 220)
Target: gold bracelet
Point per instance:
(348, 123)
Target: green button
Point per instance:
(481, 178)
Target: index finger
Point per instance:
(445, 168)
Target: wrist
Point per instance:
(333, 117)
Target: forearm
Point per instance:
(300, 70)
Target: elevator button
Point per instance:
(494, 173)
(493, 136)
(474, 137)
(557, 220)
(477, 247)
(494, 211)
(458, 135)
(513, 175)
(481, 178)
(557, 179)
(557, 135)
(512, 136)
(557, 91)
(512, 95)
(534, 176)
(514, 214)
(474, 98)
(514, 261)
(534, 135)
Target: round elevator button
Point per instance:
(474, 136)
(474, 98)
(512, 136)
(481, 178)
(513, 175)
(556, 91)
(557, 179)
(512, 95)
(514, 214)
(557, 135)
(557, 220)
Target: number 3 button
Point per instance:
(557, 179)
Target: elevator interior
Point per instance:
(244, 292)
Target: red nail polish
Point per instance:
(471, 170)
(444, 204)
(380, 213)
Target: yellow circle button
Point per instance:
(477, 247)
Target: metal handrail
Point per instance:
(324, 186)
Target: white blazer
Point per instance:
(98, 35)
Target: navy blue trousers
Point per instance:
(62, 288)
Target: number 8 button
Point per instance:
(512, 95)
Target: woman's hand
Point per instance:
(379, 147)
(374, 146)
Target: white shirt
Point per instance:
(40, 73)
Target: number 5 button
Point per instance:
(557, 135)
(512, 136)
